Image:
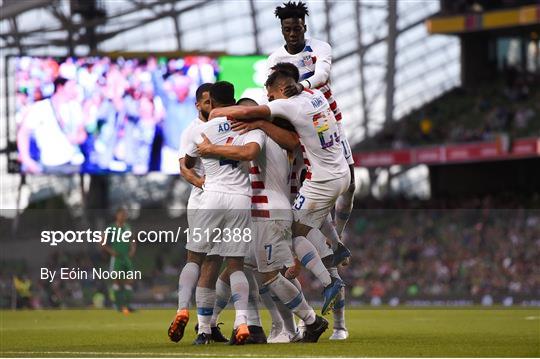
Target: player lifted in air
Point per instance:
(313, 58)
(328, 175)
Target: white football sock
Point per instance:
(292, 297)
(223, 295)
(271, 305)
(253, 317)
(186, 283)
(240, 293)
(329, 231)
(205, 299)
(339, 306)
(307, 253)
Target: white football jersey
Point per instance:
(187, 135)
(314, 63)
(314, 121)
(269, 174)
(314, 51)
(222, 174)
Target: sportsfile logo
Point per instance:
(113, 235)
(116, 235)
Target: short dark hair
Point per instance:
(292, 10)
(205, 87)
(222, 92)
(287, 67)
(279, 75)
(246, 99)
(59, 82)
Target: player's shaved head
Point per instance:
(246, 101)
(205, 87)
(222, 94)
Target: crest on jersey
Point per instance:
(307, 60)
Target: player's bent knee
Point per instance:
(300, 229)
(195, 257)
(235, 264)
(269, 277)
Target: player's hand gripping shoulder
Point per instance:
(293, 89)
(206, 148)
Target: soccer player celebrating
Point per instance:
(223, 221)
(313, 58)
(328, 175)
(272, 218)
(193, 270)
(121, 254)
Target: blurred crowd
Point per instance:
(469, 253)
(101, 115)
(508, 108)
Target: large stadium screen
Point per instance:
(102, 115)
(247, 73)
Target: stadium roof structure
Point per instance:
(384, 61)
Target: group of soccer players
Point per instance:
(266, 179)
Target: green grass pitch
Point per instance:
(385, 332)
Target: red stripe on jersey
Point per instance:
(259, 199)
(257, 185)
(327, 95)
(229, 140)
(264, 213)
(308, 91)
(338, 117)
(308, 175)
(306, 162)
(314, 59)
(254, 170)
(333, 105)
